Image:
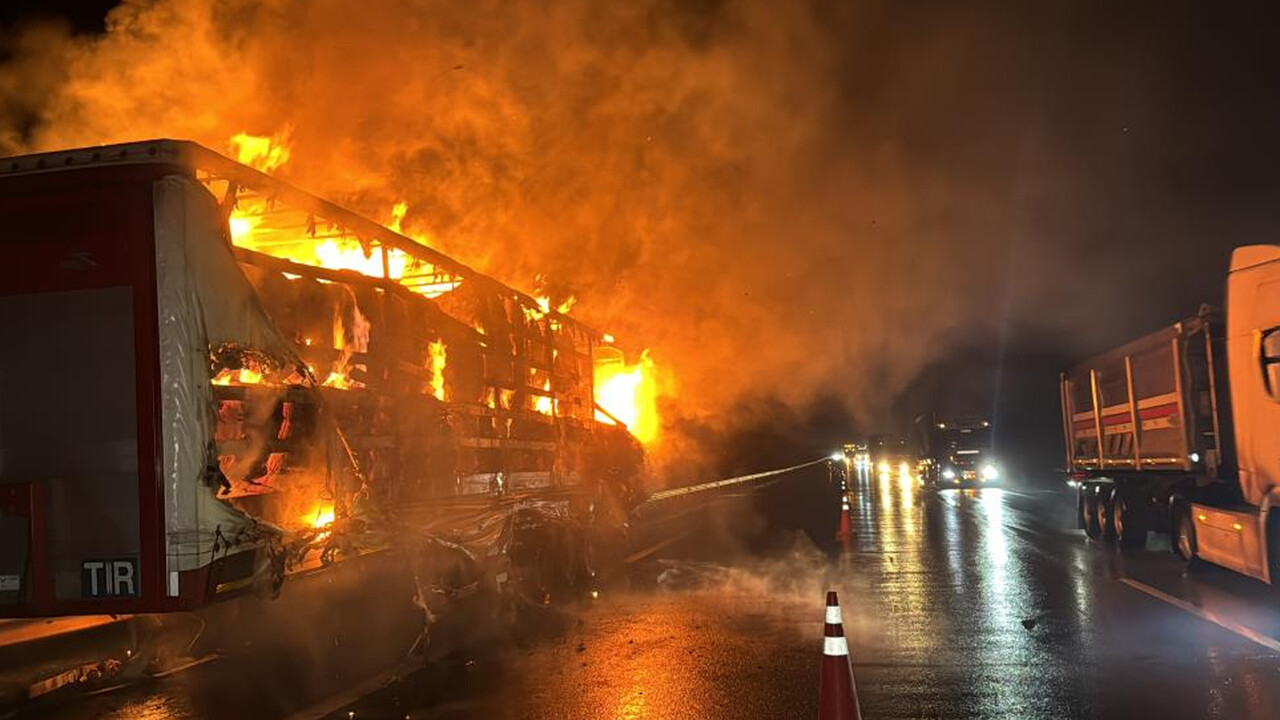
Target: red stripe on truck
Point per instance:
(1158, 411)
(1149, 413)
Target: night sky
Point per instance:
(1115, 153)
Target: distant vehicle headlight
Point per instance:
(948, 474)
(990, 472)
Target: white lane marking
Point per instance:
(838, 647)
(833, 615)
(1019, 493)
(1244, 632)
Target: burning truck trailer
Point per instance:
(216, 382)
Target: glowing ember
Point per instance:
(542, 403)
(242, 376)
(341, 380)
(438, 359)
(320, 517)
(630, 393)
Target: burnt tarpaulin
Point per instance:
(203, 300)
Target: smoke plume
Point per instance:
(722, 181)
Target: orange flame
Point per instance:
(544, 304)
(348, 341)
(543, 403)
(260, 152)
(320, 516)
(630, 394)
(251, 228)
(438, 359)
(242, 376)
(398, 211)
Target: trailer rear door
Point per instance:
(77, 370)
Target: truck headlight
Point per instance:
(990, 472)
(948, 474)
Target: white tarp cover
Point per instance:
(203, 300)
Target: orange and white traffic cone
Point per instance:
(837, 694)
(846, 524)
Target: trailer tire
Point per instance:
(1130, 530)
(1088, 509)
(1106, 510)
(1184, 535)
(1273, 550)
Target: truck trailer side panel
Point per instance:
(1151, 405)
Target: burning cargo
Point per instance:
(215, 380)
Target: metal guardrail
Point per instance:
(681, 491)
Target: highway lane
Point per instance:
(988, 603)
(958, 604)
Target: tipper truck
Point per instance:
(1179, 431)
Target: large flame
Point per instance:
(626, 392)
(544, 403)
(437, 358)
(329, 246)
(630, 394)
(261, 153)
(348, 340)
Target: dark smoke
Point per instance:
(787, 201)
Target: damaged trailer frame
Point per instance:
(162, 413)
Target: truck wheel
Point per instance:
(1089, 512)
(1184, 534)
(1130, 532)
(1105, 509)
(1273, 551)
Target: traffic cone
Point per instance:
(846, 524)
(837, 694)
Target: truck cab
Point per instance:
(957, 451)
(1245, 538)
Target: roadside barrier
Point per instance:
(680, 491)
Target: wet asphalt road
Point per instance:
(958, 604)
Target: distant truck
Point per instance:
(955, 451)
(1179, 431)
